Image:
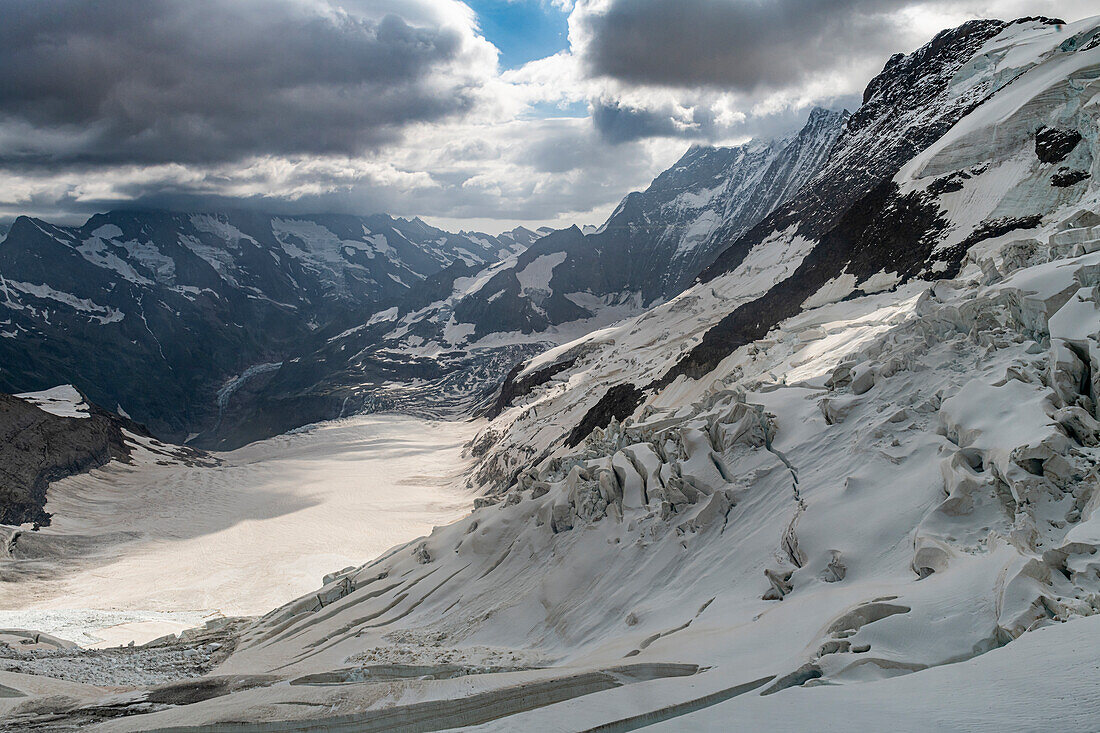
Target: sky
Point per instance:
(484, 114)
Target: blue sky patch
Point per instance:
(523, 30)
(542, 110)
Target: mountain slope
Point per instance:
(856, 223)
(158, 311)
(657, 240)
(440, 348)
(888, 482)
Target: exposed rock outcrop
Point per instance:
(38, 447)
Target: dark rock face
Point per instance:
(1053, 145)
(987, 230)
(952, 182)
(37, 447)
(167, 314)
(619, 402)
(1066, 177)
(515, 387)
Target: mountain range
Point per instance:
(219, 329)
(160, 314)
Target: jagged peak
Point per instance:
(24, 223)
(1041, 19)
(942, 45)
(521, 230)
(818, 113)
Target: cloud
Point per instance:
(200, 81)
(399, 106)
(557, 171)
(740, 46)
(753, 46)
(618, 122)
(717, 70)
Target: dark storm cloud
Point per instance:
(619, 123)
(562, 166)
(739, 45)
(202, 81)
